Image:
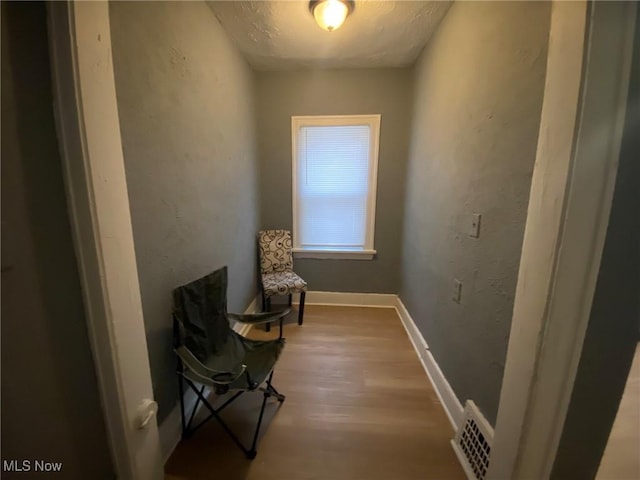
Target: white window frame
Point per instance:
(373, 121)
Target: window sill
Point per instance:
(334, 254)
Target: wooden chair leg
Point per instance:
(301, 308)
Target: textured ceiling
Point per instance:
(282, 35)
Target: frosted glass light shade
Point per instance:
(330, 14)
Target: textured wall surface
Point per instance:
(477, 101)
(50, 403)
(339, 92)
(185, 100)
(614, 325)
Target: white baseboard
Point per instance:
(243, 328)
(253, 306)
(170, 430)
(418, 341)
(452, 406)
(349, 299)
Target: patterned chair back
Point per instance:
(275, 251)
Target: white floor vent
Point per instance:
(473, 441)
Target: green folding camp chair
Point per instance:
(211, 354)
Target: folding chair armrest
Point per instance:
(258, 318)
(221, 377)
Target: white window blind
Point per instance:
(333, 185)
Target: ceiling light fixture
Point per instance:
(330, 14)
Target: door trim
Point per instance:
(588, 66)
(87, 123)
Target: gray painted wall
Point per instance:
(613, 331)
(340, 92)
(185, 100)
(477, 102)
(50, 403)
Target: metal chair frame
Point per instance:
(266, 306)
(220, 381)
(188, 431)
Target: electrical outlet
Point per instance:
(457, 290)
(474, 230)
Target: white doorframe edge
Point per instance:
(589, 59)
(88, 128)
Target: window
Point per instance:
(335, 166)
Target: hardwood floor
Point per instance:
(359, 406)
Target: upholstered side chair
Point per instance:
(276, 270)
